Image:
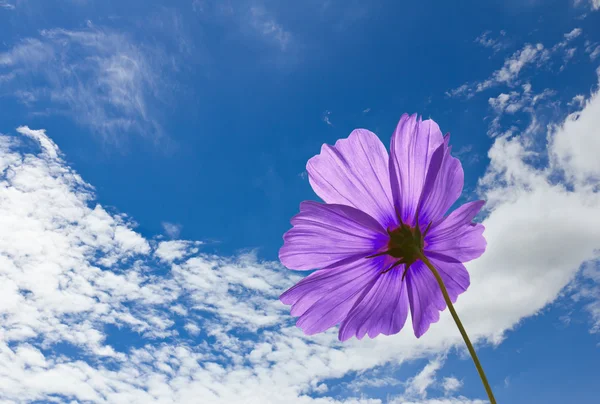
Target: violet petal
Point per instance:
(355, 173)
(326, 235)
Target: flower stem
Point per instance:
(488, 389)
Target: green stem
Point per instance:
(488, 389)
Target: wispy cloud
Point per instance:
(252, 19)
(326, 118)
(569, 36)
(514, 65)
(592, 4)
(98, 77)
(508, 73)
(563, 46)
(588, 291)
(4, 4)
(496, 44)
(520, 100)
(592, 49)
(172, 229)
(466, 154)
(417, 387)
(266, 25)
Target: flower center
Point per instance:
(404, 244)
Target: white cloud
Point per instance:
(514, 65)
(588, 290)
(417, 388)
(326, 118)
(172, 229)
(508, 74)
(592, 49)
(418, 385)
(4, 4)
(99, 78)
(577, 101)
(454, 400)
(575, 141)
(569, 53)
(496, 44)
(451, 384)
(510, 103)
(254, 20)
(463, 89)
(267, 26)
(569, 36)
(373, 380)
(89, 269)
(515, 188)
(192, 329)
(173, 250)
(593, 4)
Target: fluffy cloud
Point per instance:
(172, 229)
(574, 142)
(173, 250)
(451, 384)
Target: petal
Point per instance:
(355, 173)
(454, 274)
(412, 147)
(443, 185)
(326, 235)
(319, 283)
(461, 216)
(325, 297)
(424, 294)
(382, 308)
(456, 236)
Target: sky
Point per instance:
(152, 155)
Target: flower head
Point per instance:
(379, 213)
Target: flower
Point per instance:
(379, 213)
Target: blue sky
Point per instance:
(152, 155)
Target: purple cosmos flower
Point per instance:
(379, 211)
